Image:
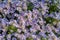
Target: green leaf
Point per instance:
(26, 16)
(22, 32)
(30, 6)
(47, 33)
(1, 15)
(29, 38)
(28, 27)
(56, 33)
(14, 37)
(53, 8)
(44, 38)
(37, 32)
(50, 20)
(11, 29)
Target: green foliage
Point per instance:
(28, 27)
(50, 20)
(44, 38)
(22, 32)
(1, 15)
(14, 37)
(40, 9)
(53, 8)
(30, 6)
(5, 38)
(16, 11)
(29, 38)
(54, 32)
(37, 32)
(26, 16)
(11, 29)
(1, 31)
(1, 0)
(47, 33)
(58, 35)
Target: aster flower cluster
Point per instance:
(29, 19)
